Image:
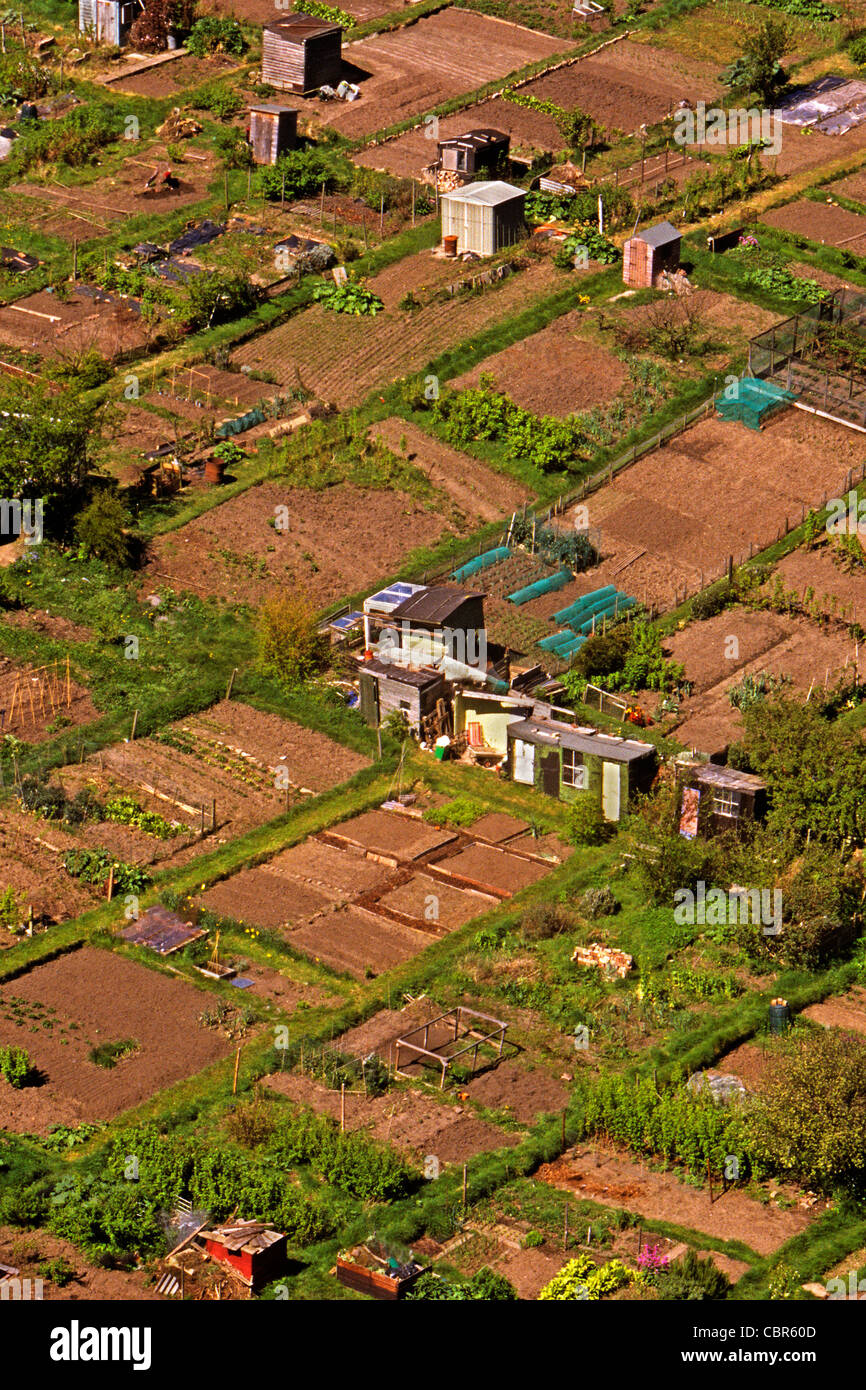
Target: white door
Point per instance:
(524, 762)
(610, 791)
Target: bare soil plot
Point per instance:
(477, 490)
(627, 85)
(751, 1062)
(339, 873)
(78, 211)
(27, 1250)
(554, 372)
(498, 828)
(178, 76)
(824, 222)
(342, 358)
(489, 869)
(615, 1180)
(31, 865)
(50, 624)
(50, 327)
(286, 993)
(846, 1011)
(549, 847)
(410, 1120)
(33, 698)
(393, 837)
(432, 905)
(357, 942)
(233, 551)
(265, 899)
(768, 642)
(526, 1092)
(90, 997)
(411, 70)
(816, 570)
(671, 520)
(406, 155)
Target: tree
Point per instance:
(101, 530)
(815, 770)
(45, 441)
(577, 128)
(758, 68)
(810, 1118)
(290, 645)
(217, 298)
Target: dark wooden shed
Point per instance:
(301, 54)
(646, 255)
(476, 150)
(716, 798)
(273, 130)
(386, 688)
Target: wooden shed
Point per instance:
(108, 21)
(716, 798)
(301, 54)
(273, 131)
(567, 763)
(646, 255)
(476, 150)
(386, 688)
(251, 1249)
(485, 217)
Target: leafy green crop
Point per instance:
(348, 299)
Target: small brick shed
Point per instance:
(647, 254)
(300, 54)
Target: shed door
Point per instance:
(105, 24)
(550, 773)
(369, 691)
(610, 791)
(524, 762)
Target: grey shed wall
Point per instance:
(481, 227)
(301, 65)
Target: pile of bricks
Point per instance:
(604, 957)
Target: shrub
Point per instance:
(487, 1284)
(857, 50)
(544, 920)
(102, 530)
(59, 1271)
(15, 1066)
(290, 645)
(218, 298)
(212, 34)
(108, 1054)
(586, 823)
(149, 30)
(711, 602)
(603, 653)
(693, 1279)
(599, 902)
(221, 102)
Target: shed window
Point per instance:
(404, 704)
(726, 803)
(574, 771)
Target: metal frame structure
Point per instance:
(455, 1016)
(778, 355)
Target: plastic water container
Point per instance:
(780, 1016)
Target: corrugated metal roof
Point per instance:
(477, 138)
(660, 235)
(298, 27)
(490, 192)
(553, 733)
(730, 778)
(435, 604)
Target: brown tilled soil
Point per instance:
(674, 517)
(525, 1092)
(31, 855)
(27, 1250)
(97, 997)
(408, 1119)
(339, 873)
(389, 833)
(409, 71)
(824, 222)
(53, 328)
(618, 1181)
(498, 828)
(264, 899)
(818, 571)
(285, 993)
(358, 943)
(48, 688)
(846, 1011)
(50, 624)
(81, 210)
(435, 905)
(342, 358)
(767, 642)
(751, 1062)
(180, 75)
(477, 490)
(554, 372)
(233, 551)
(491, 870)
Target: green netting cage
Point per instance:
(750, 401)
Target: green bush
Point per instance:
(693, 1279)
(220, 101)
(215, 35)
(586, 822)
(348, 299)
(711, 602)
(15, 1066)
(102, 530)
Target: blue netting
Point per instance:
(565, 615)
(541, 586)
(481, 562)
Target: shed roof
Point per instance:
(478, 138)
(555, 734)
(419, 677)
(435, 604)
(271, 109)
(490, 192)
(730, 778)
(297, 28)
(662, 234)
(251, 1236)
